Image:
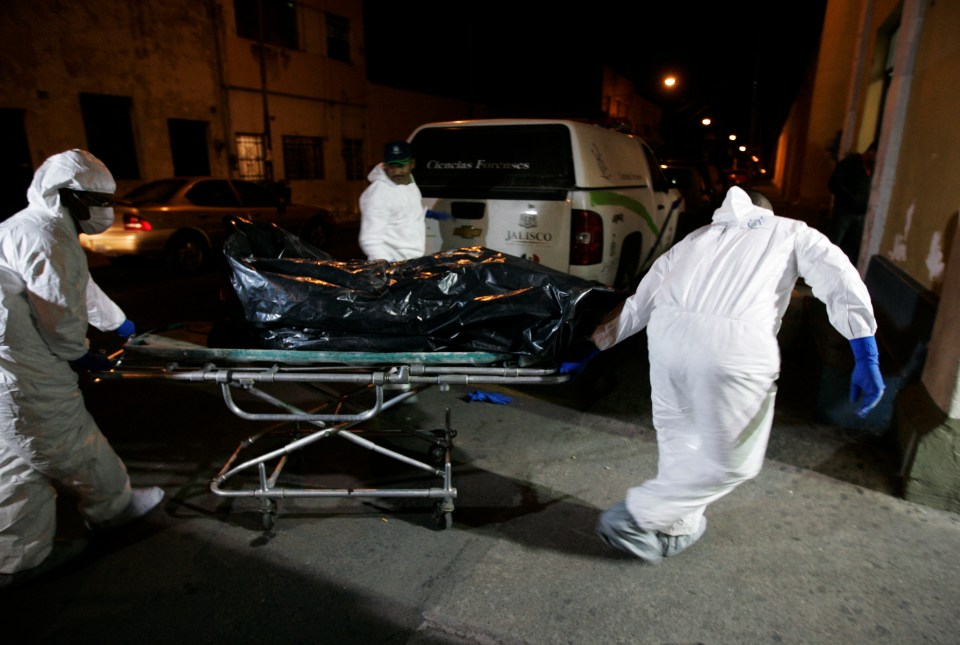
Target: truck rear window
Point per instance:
(480, 161)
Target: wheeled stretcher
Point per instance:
(345, 389)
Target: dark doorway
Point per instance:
(188, 146)
(109, 129)
(15, 164)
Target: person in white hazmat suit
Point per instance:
(392, 224)
(47, 436)
(712, 306)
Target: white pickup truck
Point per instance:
(573, 196)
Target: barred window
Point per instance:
(250, 156)
(279, 21)
(353, 159)
(303, 157)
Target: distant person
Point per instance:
(712, 306)
(850, 185)
(392, 225)
(47, 437)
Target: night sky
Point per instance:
(532, 59)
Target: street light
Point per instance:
(670, 81)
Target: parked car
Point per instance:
(739, 176)
(181, 219)
(701, 198)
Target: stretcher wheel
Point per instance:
(437, 453)
(442, 518)
(268, 513)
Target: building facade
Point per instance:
(888, 71)
(266, 90)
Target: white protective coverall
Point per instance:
(712, 306)
(391, 219)
(46, 433)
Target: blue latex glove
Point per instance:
(866, 383)
(574, 367)
(92, 362)
(489, 397)
(438, 215)
(126, 329)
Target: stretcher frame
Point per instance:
(392, 377)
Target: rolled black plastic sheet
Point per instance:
(469, 299)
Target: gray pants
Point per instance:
(41, 444)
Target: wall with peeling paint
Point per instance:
(925, 200)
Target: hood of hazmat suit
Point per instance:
(77, 170)
(47, 300)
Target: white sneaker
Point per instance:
(142, 502)
(617, 528)
(674, 544)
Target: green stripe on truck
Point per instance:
(610, 198)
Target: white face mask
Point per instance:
(99, 221)
(92, 211)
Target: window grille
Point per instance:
(303, 157)
(250, 156)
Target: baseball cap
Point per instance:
(397, 152)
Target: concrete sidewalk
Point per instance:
(792, 557)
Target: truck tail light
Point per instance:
(136, 223)
(586, 238)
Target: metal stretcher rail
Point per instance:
(402, 374)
